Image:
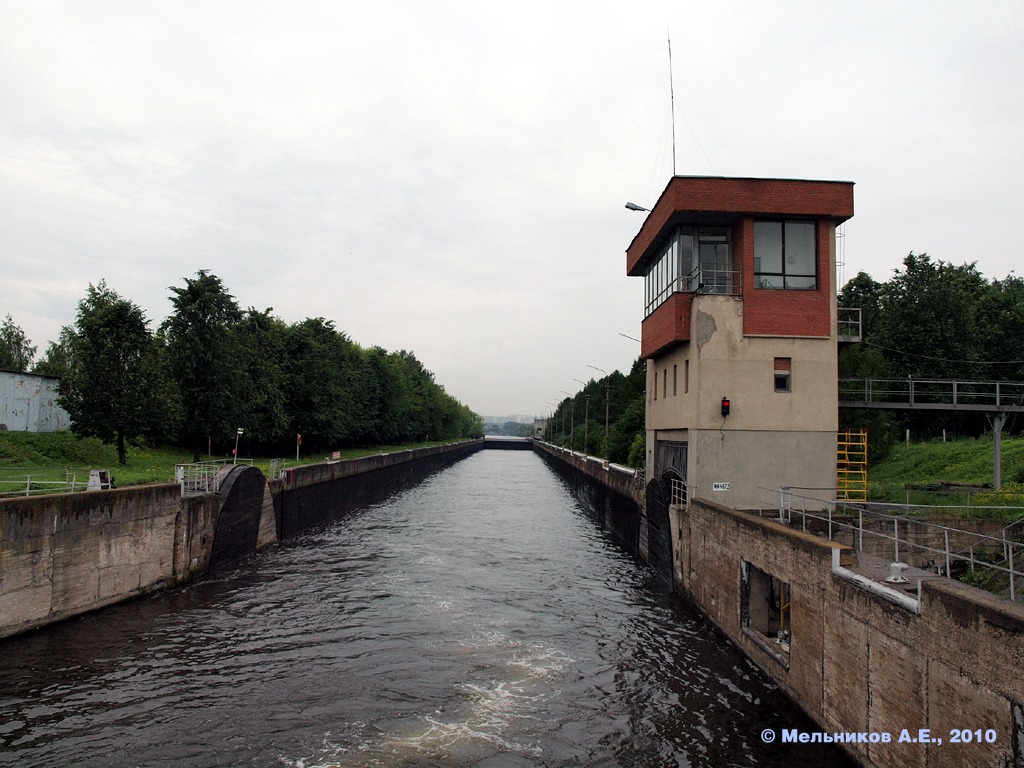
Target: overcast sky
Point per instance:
(450, 177)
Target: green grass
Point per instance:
(959, 461)
(144, 464)
(914, 473)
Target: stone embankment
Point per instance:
(919, 674)
(65, 554)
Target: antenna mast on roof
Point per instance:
(672, 99)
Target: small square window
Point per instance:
(782, 382)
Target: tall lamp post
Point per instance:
(586, 415)
(572, 420)
(238, 434)
(607, 388)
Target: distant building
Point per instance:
(28, 403)
(739, 335)
(540, 426)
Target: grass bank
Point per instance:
(23, 450)
(937, 473)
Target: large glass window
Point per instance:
(691, 259)
(715, 275)
(785, 255)
(663, 278)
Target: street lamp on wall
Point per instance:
(635, 207)
(586, 415)
(572, 420)
(607, 392)
(238, 434)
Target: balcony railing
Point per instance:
(848, 323)
(711, 280)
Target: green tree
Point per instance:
(626, 430)
(112, 389)
(261, 340)
(927, 320)
(324, 403)
(57, 360)
(206, 360)
(864, 293)
(15, 350)
(999, 326)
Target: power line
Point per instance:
(944, 359)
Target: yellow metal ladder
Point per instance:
(852, 465)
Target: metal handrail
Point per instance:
(711, 281)
(201, 477)
(954, 392)
(29, 481)
(786, 511)
(849, 323)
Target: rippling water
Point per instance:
(479, 619)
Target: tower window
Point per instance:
(785, 255)
(783, 374)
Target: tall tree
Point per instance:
(58, 357)
(863, 292)
(15, 350)
(112, 387)
(261, 342)
(322, 371)
(999, 325)
(205, 360)
(927, 318)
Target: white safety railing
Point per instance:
(201, 477)
(952, 548)
(33, 481)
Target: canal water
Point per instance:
(482, 618)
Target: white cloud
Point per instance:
(450, 177)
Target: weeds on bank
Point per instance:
(145, 464)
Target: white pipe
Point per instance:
(898, 598)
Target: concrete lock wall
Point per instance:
(612, 493)
(316, 494)
(856, 661)
(63, 555)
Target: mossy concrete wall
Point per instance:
(62, 555)
(317, 494)
(65, 554)
(856, 662)
(613, 493)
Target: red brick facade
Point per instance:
(667, 325)
(769, 312)
(736, 203)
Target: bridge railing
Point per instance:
(924, 392)
(848, 323)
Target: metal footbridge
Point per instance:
(932, 394)
(997, 399)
